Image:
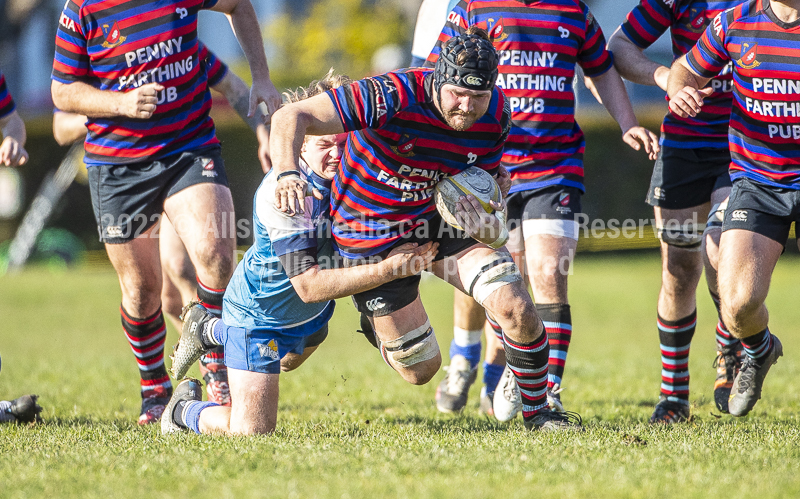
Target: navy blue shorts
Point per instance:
(129, 199)
(685, 178)
(557, 202)
(762, 209)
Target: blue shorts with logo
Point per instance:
(260, 350)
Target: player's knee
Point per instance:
(415, 355)
(682, 271)
(738, 308)
(215, 260)
(494, 272)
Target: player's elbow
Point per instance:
(58, 92)
(303, 285)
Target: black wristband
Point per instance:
(290, 172)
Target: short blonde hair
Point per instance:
(316, 87)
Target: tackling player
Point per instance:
(540, 44)
(690, 182)
(177, 272)
(410, 128)
(760, 39)
(279, 301)
(152, 148)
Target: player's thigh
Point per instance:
(746, 262)
(303, 350)
(549, 263)
(254, 401)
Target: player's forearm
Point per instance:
(245, 26)
(633, 65)
(315, 284)
(680, 77)
(237, 93)
(69, 128)
(615, 99)
(290, 125)
(12, 126)
(82, 98)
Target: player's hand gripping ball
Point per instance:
(474, 181)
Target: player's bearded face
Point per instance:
(323, 153)
(461, 108)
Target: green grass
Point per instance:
(350, 427)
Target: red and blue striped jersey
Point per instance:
(764, 128)
(399, 150)
(7, 105)
(539, 44)
(119, 45)
(686, 20)
(214, 67)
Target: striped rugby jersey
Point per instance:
(400, 150)
(686, 20)
(764, 133)
(119, 45)
(215, 69)
(539, 44)
(7, 105)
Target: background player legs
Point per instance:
(138, 268)
(465, 353)
(178, 276)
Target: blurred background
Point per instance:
(303, 38)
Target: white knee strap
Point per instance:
(413, 347)
(490, 274)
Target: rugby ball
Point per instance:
(473, 181)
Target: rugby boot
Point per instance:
(746, 389)
(188, 389)
(452, 392)
(728, 363)
(153, 404)
(551, 421)
(215, 375)
(507, 401)
(670, 412)
(24, 410)
(487, 402)
(190, 346)
(554, 398)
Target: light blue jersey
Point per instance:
(260, 294)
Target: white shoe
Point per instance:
(507, 402)
(554, 398)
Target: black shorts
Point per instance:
(762, 209)
(559, 202)
(685, 178)
(395, 295)
(128, 199)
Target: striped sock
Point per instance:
(211, 299)
(146, 337)
(724, 338)
(676, 340)
(759, 345)
(558, 324)
(491, 375)
(187, 413)
(529, 364)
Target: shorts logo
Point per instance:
(739, 216)
(114, 231)
(269, 350)
(659, 193)
(697, 21)
(113, 36)
(748, 60)
(405, 146)
(375, 304)
(563, 199)
(208, 167)
(497, 31)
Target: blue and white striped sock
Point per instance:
(190, 415)
(759, 345)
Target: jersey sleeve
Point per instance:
(456, 25)
(71, 61)
(491, 161)
(648, 21)
(7, 105)
(368, 103)
(209, 4)
(594, 58)
(710, 56)
(214, 67)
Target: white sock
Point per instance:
(466, 338)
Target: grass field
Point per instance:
(350, 427)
